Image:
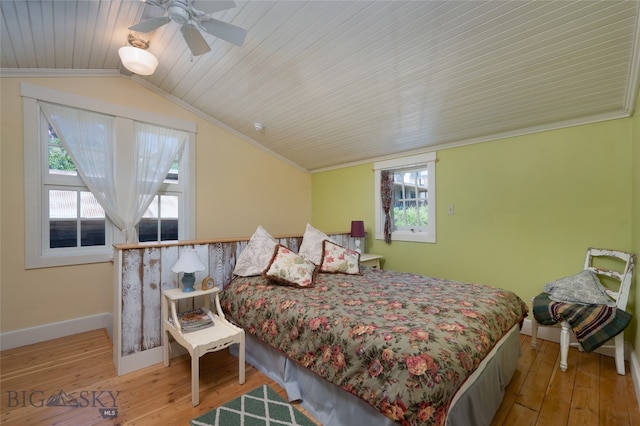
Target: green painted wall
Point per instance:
(526, 208)
(635, 209)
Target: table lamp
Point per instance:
(188, 263)
(357, 232)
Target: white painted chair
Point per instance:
(621, 297)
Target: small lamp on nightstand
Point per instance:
(188, 263)
(357, 232)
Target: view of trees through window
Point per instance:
(410, 208)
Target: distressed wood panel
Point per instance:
(222, 261)
(151, 288)
(293, 243)
(168, 258)
(131, 302)
(146, 272)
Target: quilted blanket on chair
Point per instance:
(592, 324)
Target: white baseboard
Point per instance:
(42, 333)
(127, 364)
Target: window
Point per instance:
(160, 221)
(64, 223)
(412, 207)
(75, 219)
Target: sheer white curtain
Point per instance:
(123, 190)
(156, 150)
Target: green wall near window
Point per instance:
(635, 210)
(526, 208)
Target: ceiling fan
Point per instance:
(194, 18)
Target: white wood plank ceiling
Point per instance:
(339, 82)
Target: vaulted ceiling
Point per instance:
(339, 82)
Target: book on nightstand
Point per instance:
(194, 320)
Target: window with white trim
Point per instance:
(75, 219)
(411, 204)
(64, 223)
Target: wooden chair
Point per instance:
(621, 297)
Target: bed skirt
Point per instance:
(475, 404)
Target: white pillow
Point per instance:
(255, 258)
(311, 247)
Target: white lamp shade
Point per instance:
(138, 61)
(188, 262)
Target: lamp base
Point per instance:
(188, 279)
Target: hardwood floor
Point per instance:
(589, 393)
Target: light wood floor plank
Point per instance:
(588, 393)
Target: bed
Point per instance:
(381, 347)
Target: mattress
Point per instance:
(403, 344)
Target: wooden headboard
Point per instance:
(143, 271)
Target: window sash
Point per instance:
(410, 198)
(425, 233)
(78, 248)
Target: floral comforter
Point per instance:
(402, 342)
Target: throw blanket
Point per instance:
(402, 342)
(592, 324)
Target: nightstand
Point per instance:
(221, 335)
(372, 260)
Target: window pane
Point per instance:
(93, 224)
(63, 219)
(152, 210)
(63, 233)
(423, 213)
(163, 214)
(148, 225)
(169, 230)
(411, 214)
(63, 204)
(169, 217)
(63, 213)
(409, 200)
(173, 175)
(89, 206)
(169, 206)
(92, 232)
(148, 230)
(59, 160)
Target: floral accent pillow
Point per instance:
(289, 268)
(257, 255)
(339, 260)
(311, 247)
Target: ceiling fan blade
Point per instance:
(197, 44)
(225, 31)
(150, 24)
(209, 7)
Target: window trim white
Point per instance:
(420, 160)
(35, 254)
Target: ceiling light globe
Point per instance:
(138, 61)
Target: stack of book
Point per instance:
(194, 320)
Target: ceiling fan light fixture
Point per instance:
(178, 13)
(136, 59)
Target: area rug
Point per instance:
(260, 407)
